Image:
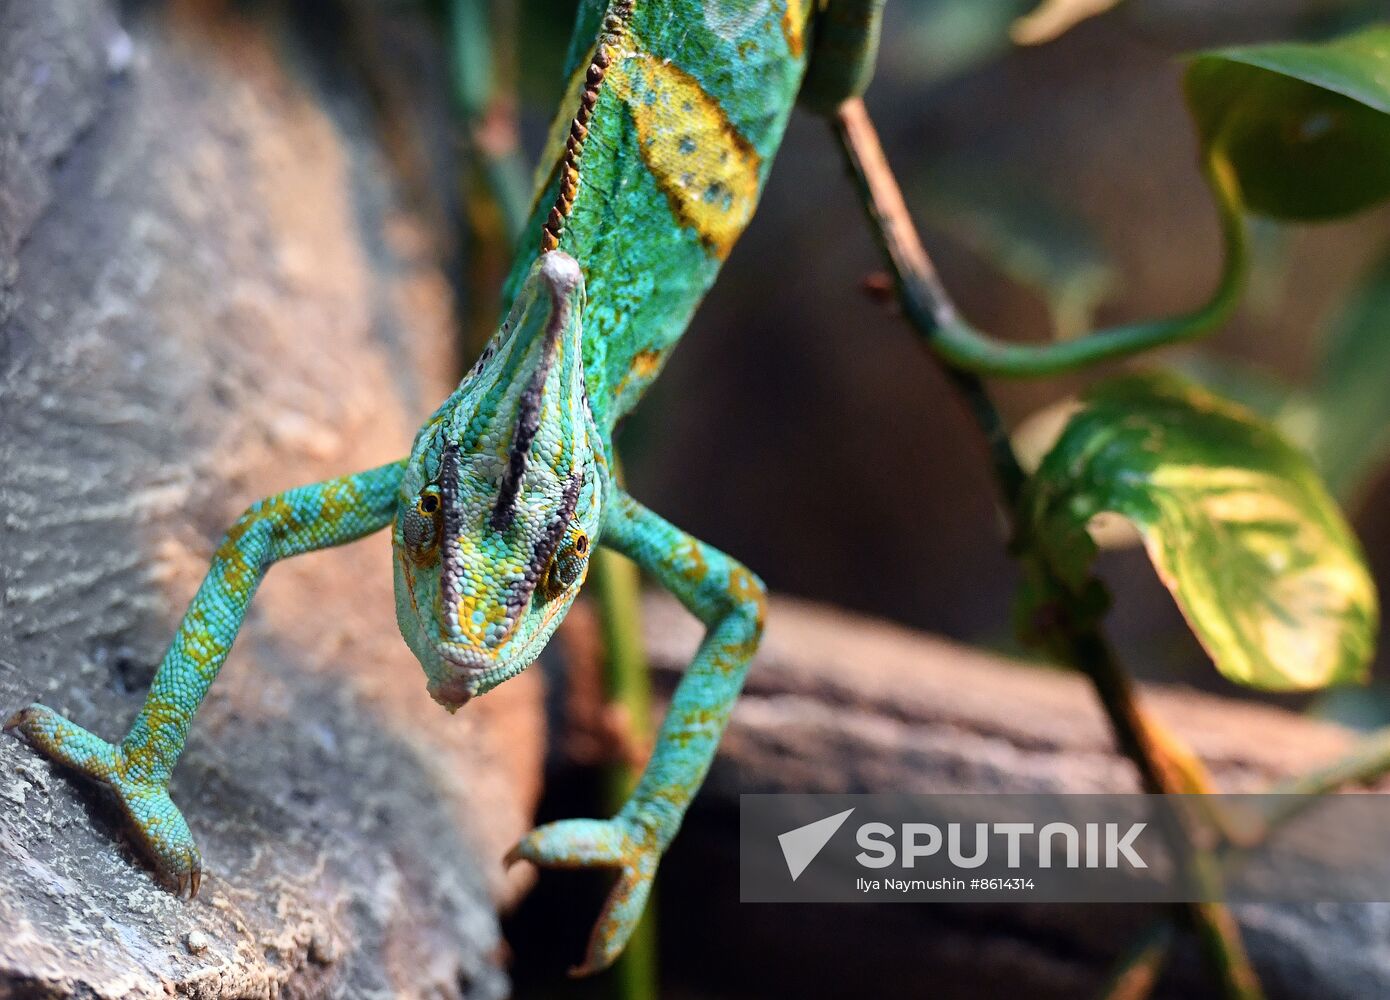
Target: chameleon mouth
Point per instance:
(472, 671)
(465, 669)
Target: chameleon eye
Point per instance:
(421, 524)
(567, 566)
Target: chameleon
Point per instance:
(654, 167)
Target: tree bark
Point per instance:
(211, 289)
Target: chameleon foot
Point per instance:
(157, 822)
(594, 843)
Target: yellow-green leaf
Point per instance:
(1238, 525)
(1305, 126)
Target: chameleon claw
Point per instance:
(158, 825)
(613, 844)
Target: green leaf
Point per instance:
(1352, 402)
(1306, 126)
(1235, 520)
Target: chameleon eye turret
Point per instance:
(567, 568)
(421, 524)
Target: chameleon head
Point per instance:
(502, 498)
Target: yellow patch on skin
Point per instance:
(691, 560)
(746, 589)
(794, 27)
(645, 364)
(644, 368)
(339, 500)
(197, 642)
(706, 168)
(474, 630)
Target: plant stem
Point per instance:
(966, 349)
(616, 586)
(1137, 971)
(1368, 761)
(482, 54)
(1073, 633)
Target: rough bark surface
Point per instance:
(209, 291)
(839, 703)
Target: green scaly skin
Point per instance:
(656, 163)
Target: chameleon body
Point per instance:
(655, 165)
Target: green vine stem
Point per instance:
(616, 585)
(964, 348)
(482, 58)
(1368, 761)
(1073, 633)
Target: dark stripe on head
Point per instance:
(452, 580)
(545, 549)
(528, 419)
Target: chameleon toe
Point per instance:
(601, 844)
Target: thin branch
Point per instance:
(965, 348)
(1368, 761)
(627, 694)
(492, 180)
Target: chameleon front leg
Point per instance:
(138, 769)
(730, 601)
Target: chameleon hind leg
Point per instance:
(138, 768)
(730, 601)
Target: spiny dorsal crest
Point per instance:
(605, 51)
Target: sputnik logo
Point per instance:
(800, 846)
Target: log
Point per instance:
(841, 703)
(211, 289)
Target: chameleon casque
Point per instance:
(654, 167)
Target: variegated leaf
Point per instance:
(1237, 523)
